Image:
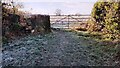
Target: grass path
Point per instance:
(59, 48)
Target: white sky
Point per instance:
(66, 6)
(58, 0)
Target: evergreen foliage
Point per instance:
(107, 14)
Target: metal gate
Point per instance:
(68, 21)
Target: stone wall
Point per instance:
(40, 23)
(16, 26)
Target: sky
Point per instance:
(66, 6)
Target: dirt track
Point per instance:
(59, 48)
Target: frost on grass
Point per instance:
(54, 49)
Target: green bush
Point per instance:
(107, 14)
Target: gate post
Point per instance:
(68, 21)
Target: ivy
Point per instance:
(107, 14)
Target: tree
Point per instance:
(78, 14)
(58, 12)
(107, 14)
(12, 6)
(112, 19)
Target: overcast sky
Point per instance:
(66, 6)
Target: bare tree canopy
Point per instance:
(58, 12)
